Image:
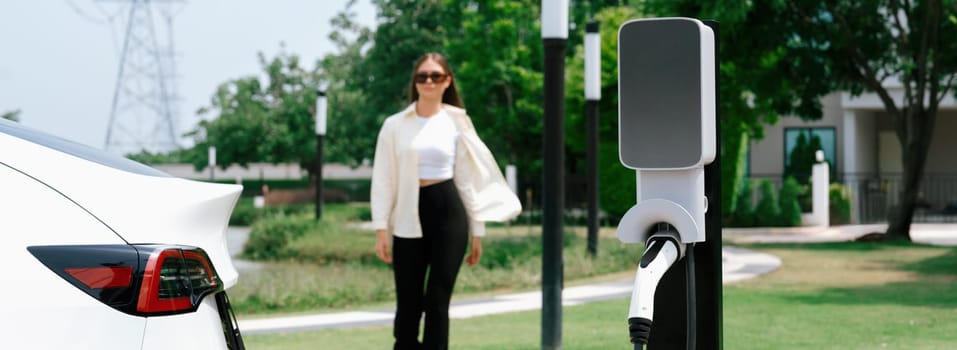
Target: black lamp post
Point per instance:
(592, 96)
(554, 37)
(320, 134)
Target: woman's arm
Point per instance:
(383, 189)
(382, 196)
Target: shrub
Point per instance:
(768, 209)
(244, 214)
(839, 204)
(271, 234)
(790, 215)
(364, 214)
(743, 215)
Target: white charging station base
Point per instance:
(675, 197)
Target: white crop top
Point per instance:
(435, 144)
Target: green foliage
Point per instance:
(743, 214)
(734, 161)
(270, 236)
(497, 49)
(261, 122)
(786, 55)
(13, 115)
(245, 213)
(333, 266)
(802, 158)
(839, 204)
(175, 156)
(616, 183)
(791, 190)
(769, 208)
(350, 123)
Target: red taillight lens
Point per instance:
(103, 277)
(136, 279)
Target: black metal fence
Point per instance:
(874, 195)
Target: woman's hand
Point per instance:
(383, 246)
(475, 251)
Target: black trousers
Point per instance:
(440, 252)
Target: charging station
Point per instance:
(668, 134)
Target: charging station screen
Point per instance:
(659, 67)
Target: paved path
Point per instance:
(935, 234)
(737, 264)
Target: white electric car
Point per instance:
(100, 252)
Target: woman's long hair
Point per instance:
(451, 94)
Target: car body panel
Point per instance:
(140, 208)
(55, 192)
(66, 316)
(167, 332)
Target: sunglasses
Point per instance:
(423, 77)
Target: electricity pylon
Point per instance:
(144, 113)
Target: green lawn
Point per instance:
(331, 265)
(825, 296)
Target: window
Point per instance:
(800, 144)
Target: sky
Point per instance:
(59, 58)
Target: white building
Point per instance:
(860, 140)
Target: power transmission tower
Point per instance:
(144, 113)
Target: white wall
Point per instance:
(267, 171)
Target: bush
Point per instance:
(364, 214)
(790, 215)
(743, 215)
(839, 204)
(244, 214)
(270, 235)
(768, 209)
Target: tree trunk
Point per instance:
(915, 142)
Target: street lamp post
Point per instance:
(320, 134)
(554, 37)
(212, 163)
(592, 96)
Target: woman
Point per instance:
(434, 184)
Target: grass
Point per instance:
(824, 296)
(331, 265)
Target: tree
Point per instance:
(255, 122)
(497, 49)
(407, 30)
(797, 51)
(369, 74)
(751, 94)
(13, 115)
(617, 183)
(351, 125)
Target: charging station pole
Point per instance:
(669, 128)
(554, 36)
(670, 328)
(709, 272)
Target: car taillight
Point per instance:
(146, 280)
(175, 280)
